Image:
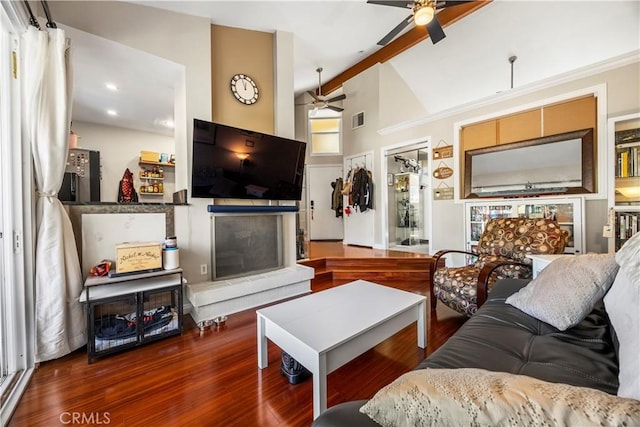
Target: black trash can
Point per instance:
(293, 370)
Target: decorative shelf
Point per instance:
(144, 193)
(150, 178)
(165, 164)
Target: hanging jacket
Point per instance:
(362, 194)
(336, 197)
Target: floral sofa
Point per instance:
(501, 254)
(560, 350)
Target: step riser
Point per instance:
(371, 269)
(379, 275)
(377, 264)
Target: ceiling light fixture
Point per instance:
(423, 13)
(169, 124)
(112, 112)
(111, 86)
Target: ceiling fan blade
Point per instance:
(337, 98)
(338, 109)
(396, 3)
(391, 35)
(314, 112)
(441, 4)
(436, 33)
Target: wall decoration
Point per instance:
(442, 150)
(443, 192)
(244, 89)
(442, 171)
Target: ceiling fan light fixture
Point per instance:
(424, 15)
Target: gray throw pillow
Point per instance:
(566, 290)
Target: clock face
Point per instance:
(244, 89)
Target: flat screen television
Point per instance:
(232, 163)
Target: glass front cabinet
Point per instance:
(624, 179)
(567, 212)
(408, 212)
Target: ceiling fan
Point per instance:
(423, 12)
(320, 101)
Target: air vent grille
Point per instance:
(357, 120)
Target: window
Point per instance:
(325, 133)
(16, 335)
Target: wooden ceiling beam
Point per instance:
(414, 36)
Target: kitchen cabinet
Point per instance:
(520, 127)
(544, 121)
(571, 115)
(479, 135)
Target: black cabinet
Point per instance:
(129, 311)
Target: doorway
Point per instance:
(324, 205)
(408, 211)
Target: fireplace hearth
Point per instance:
(253, 259)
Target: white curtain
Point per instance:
(60, 318)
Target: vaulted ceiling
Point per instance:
(549, 38)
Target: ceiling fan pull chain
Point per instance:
(319, 70)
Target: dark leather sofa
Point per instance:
(502, 338)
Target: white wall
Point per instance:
(398, 102)
(185, 40)
(623, 96)
(120, 149)
(390, 103)
(384, 98)
(188, 43)
(549, 38)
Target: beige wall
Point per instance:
(238, 51)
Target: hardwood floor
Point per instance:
(211, 378)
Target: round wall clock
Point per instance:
(244, 89)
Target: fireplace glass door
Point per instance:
(243, 245)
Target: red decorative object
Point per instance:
(101, 269)
(127, 193)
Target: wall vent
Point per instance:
(357, 120)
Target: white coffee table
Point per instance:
(327, 329)
(539, 262)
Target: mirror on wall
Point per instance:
(124, 102)
(558, 164)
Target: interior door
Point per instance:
(359, 226)
(323, 222)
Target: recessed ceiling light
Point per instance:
(112, 112)
(111, 86)
(169, 123)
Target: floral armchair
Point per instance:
(502, 253)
